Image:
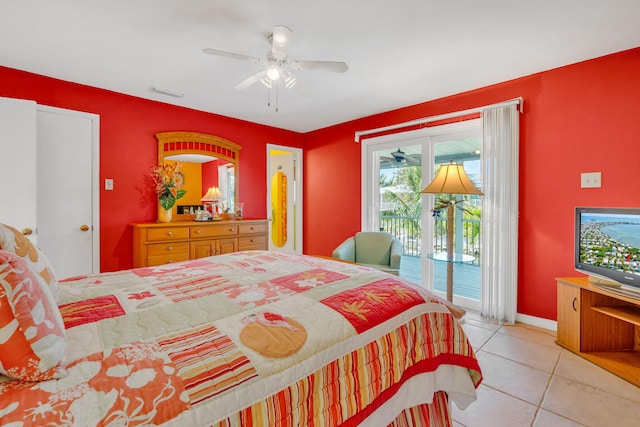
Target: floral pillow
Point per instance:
(11, 240)
(32, 340)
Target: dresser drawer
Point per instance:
(252, 243)
(167, 233)
(167, 248)
(252, 228)
(167, 258)
(198, 232)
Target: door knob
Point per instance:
(84, 227)
(27, 231)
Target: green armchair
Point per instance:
(377, 249)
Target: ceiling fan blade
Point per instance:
(280, 41)
(250, 80)
(413, 160)
(332, 66)
(231, 55)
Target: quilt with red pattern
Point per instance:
(250, 338)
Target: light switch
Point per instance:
(591, 180)
(108, 184)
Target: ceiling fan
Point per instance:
(278, 65)
(399, 159)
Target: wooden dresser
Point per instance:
(162, 243)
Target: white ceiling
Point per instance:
(399, 52)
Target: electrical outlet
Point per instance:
(591, 180)
(108, 184)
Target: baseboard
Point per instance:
(539, 322)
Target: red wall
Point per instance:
(128, 149)
(210, 175)
(580, 118)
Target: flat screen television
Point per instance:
(607, 247)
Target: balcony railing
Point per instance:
(409, 231)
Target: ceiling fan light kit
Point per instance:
(273, 72)
(279, 68)
(266, 82)
(290, 81)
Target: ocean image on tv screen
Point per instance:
(610, 241)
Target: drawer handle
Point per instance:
(251, 240)
(169, 233)
(169, 248)
(232, 230)
(251, 228)
(198, 231)
(573, 303)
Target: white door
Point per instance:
(394, 202)
(67, 205)
(49, 164)
(284, 198)
(18, 164)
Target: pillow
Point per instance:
(32, 341)
(11, 240)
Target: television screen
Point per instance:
(607, 245)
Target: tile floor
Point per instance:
(531, 381)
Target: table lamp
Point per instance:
(450, 179)
(211, 198)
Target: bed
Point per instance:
(250, 338)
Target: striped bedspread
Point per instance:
(250, 339)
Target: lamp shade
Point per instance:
(451, 179)
(213, 193)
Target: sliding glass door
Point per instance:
(395, 170)
(397, 204)
(461, 148)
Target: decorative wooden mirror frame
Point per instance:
(174, 143)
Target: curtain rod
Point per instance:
(359, 134)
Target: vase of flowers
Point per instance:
(167, 179)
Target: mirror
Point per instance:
(209, 161)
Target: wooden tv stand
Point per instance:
(600, 326)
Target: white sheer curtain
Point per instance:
(500, 212)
